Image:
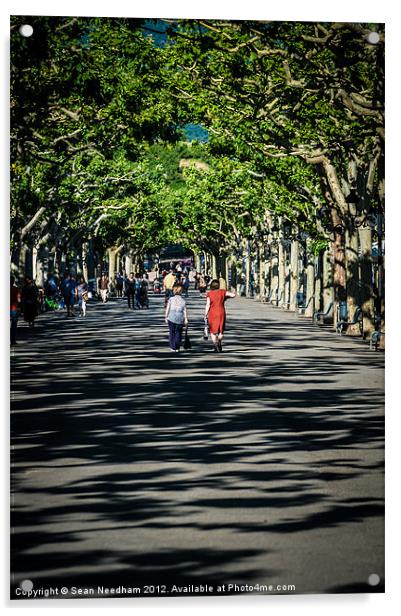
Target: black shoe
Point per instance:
(220, 347)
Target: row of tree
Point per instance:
(294, 113)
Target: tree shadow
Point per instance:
(125, 437)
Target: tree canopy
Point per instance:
(293, 113)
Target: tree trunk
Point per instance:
(247, 258)
(42, 265)
(267, 277)
(352, 278)
(310, 284)
(112, 257)
(294, 274)
(262, 272)
(28, 227)
(328, 291)
(128, 263)
(338, 273)
(214, 266)
(85, 260)
(281, 272)
(23, 260)
(287, 279)
(366, 277)
(275, 274)
(318, 283)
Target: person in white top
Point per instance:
(176, 318)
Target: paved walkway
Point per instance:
(134, 465)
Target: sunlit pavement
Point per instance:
(134, 465)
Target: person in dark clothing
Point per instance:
(103, 287)
(185, 284)
(68, 287)
(119, 284)
(137, 283)
(144, 297)
(29, 301)
(130, 290)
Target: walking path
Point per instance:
(133, 465)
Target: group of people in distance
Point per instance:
(175, 284)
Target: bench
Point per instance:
(317, 315)
(303, 307)
(357, 319)
(375, 339)
(269, 296)
(278, 299)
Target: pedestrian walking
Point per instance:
(202, 284)
(168, 283)
(29, 301)
(185, 284)
(176, 318)
(143, 293)
(68, 288)
(82, 296)
(103, 287)
(119, 284)
(138, 287)
(156, 286)
(222, 282)
(130, 290)
(215, 313)
(15, 308)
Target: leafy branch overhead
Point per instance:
(294, 114)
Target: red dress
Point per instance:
(216, 316)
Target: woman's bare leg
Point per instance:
(214, 340)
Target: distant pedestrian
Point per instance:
(156, 285)
(202, 284)
(68, 288)
(168, 283)
(119, 284)
(215, 313)
(222, 282)
(138, 286)
(82, 296)
(15, 308)
(29, 301)
(144, 296)
(130, 290)
(103, 287)
(176, 318)
(185, 284)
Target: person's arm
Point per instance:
(230, 294)
(185, 316)
(207, 307)
(167, 311)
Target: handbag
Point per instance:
(206, 330)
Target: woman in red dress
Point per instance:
(215, 313)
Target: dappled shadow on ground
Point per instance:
(201, 442)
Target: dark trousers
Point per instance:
(130, 298)
(175, 335)
(138, 299)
